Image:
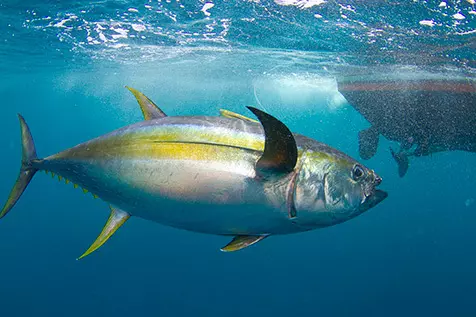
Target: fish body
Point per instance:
(194, 173)
(227, 175)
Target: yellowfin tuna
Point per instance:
(224, 175)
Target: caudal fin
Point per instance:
(27, 171)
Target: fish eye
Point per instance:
(357, 172)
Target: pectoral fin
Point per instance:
(148, 107)
(280, 150)
(234, 115)
(116, 219)
(241, 242)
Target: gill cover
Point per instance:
(279, 156)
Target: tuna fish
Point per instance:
(224, 175)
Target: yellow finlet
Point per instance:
(85, 190)
(241, 242)
(52, 175)
(234, 115)
(116, 220)
(75, 185)
(95, 196)
(66, 181)
(60, 178)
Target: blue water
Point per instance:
(64, 68)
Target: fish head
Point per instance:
(332, 187)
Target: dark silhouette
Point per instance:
(424, 115)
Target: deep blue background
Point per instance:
(63, 66)
(412, 255)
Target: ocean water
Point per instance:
(64, 65)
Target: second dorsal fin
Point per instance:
(280, 149)
(233, 115)
(148, 107)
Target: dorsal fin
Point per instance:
(280, 150)
(233, 115)
(148, 107)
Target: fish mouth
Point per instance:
(372, 195)
(374, 199)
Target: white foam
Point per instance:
(122, 34)
(302, 4)
(102, 37)
(120, 45)
(207, 6)
(298, 90)
(427, 22)
(59, 24)
(138, 27)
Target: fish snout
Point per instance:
(374, 179)
(377, 180)
(373, 195)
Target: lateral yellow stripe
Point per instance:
(168, 139)
(182, 151)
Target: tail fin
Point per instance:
(27, 171)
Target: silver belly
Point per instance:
(208, 197)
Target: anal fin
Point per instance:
(116, 220)
(241, 242)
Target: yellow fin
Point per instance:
(149, 109)
(116, 219)
(234, 115)
(241, 242)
